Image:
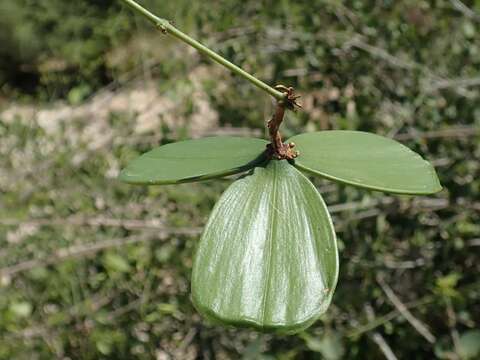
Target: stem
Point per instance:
(167, 28)
(277, 149)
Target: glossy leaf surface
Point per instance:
(365, 160)
(268, 255)
(195, 160)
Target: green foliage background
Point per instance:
(92, 268)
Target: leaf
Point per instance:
(21, 309)
(469, 344)
(365, 160)
(446, 285)
(116, 263)
(268, 255)
(330, 346)
(195, 160)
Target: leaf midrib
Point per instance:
(270, 242)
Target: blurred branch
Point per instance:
(473, 242)
(378, 338)
(419, 205)
(465, 10)
(167, 28)
(76, 251)
(452, 323)
(407, 264)
(87, 307)
(222, 131)
(107, 222)
(439, 82)
(454, 83)
(379, 321)
(417, 324)
(124, 309)
(450, 132)
(356, 205)
(188, 338)
(99, 221)
(416, 204)
(357, 42)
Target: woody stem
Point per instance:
(277, 148)
(274, 125)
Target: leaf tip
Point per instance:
(126, 176)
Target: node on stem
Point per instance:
(277, 149)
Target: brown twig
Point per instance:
(84, 221)
(277, 149)
(465, 10)
(361, 329)
(378, 338)
(449, 132)
(452, 326)
(417, 324)
(82, 250)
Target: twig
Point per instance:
(223, 131)
(381, 320)
(85, 309)
(378, 338)
(473, 242)
(188, 339)
(76, 251)
(158, 225)
(124, 309)
(417, 324)
(167, 28)
(358, 42)
(408, 264)
(79, 250)
(30, 332)
(277, 149)
(452, 323)
(415, 206)
(450, 132)
(453, 132)
(79, 221)
(460, 6)
(454, 83)
(356, 205)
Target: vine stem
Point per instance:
(167, 28)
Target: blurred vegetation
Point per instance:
(92, 268)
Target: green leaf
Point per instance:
(469, 344)
(116, 263)
(268, 255)
(21, 309)
(365, 160)
(195, 160)
(330, 345)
